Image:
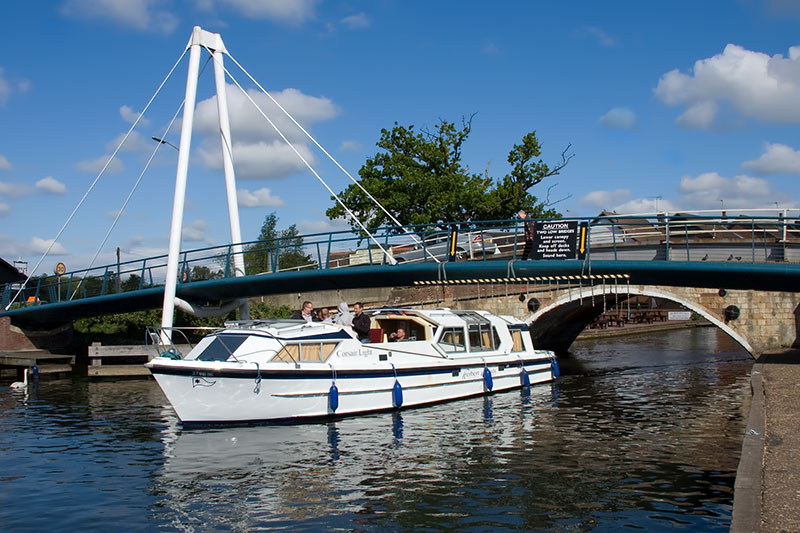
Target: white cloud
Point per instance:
(113, 214)
(196, 232)
(50, 185)
(5, 209)
(322, 226)
(95, 165)
(605, 199)
(357, 21)
(258, 151)
(777, 159)
(602, 37)
(699, 116)
(294, 12)
(752, 84)
(350, 146)
(14, 190)
(23, 86)
(260, 160)
(619, 118)
(645, 205)
(782, 8)
(261, 198)
(142, 15)
(129, 115)
(5, 88)
(39, 246)
(490, 48)
(248, 124)
(712, 191)
(4, 164)
(134, 143)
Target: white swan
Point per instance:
(19, 385)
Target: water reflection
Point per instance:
(643, 433)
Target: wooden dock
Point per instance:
(121, 360)
(44, 361)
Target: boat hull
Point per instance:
(242, 394)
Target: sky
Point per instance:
(678, 106)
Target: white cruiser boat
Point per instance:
(290, 370)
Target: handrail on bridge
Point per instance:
(654, 237)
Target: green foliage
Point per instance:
(200, 273)
(262, 310)
(286, 244)
(420, 179)
(131, 327)
(132, 283)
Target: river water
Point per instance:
(642, 432)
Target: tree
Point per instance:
(420, 179)
(285, 244)
(202, 272)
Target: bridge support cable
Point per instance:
(96, 179)
(314, 172)
(127, 200)
(333, 159)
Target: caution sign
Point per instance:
(555, 240)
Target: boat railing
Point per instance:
(165, 341)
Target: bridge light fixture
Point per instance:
(162, 141)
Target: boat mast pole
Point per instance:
(170, 286)
(230, 176)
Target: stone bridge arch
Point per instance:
(767, 320)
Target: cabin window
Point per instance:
(483, 337)
(519, 344)
(221, 347)
(452, 340)
(305, 351)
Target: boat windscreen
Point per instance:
(471, 317)
(222, 347)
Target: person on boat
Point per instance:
(306, 313)
(360, 322)
(344, 317)
(323, 315)
(528, 228)
(399, 335)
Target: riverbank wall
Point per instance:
(767, 488)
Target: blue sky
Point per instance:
(691, 105)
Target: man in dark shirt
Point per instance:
(360, 322)
(306, 313)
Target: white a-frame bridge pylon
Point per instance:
(213, 43)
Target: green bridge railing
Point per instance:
(661, 237)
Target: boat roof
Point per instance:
(288, 328)
(443, 316)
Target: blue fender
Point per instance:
(333, 398)
(556, 371)
(397, 394)
(487, 378)
(524, 378)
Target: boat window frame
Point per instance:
(516, 335)
(482, 328)
(295, 352)
(218, 341)
(446, 347)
